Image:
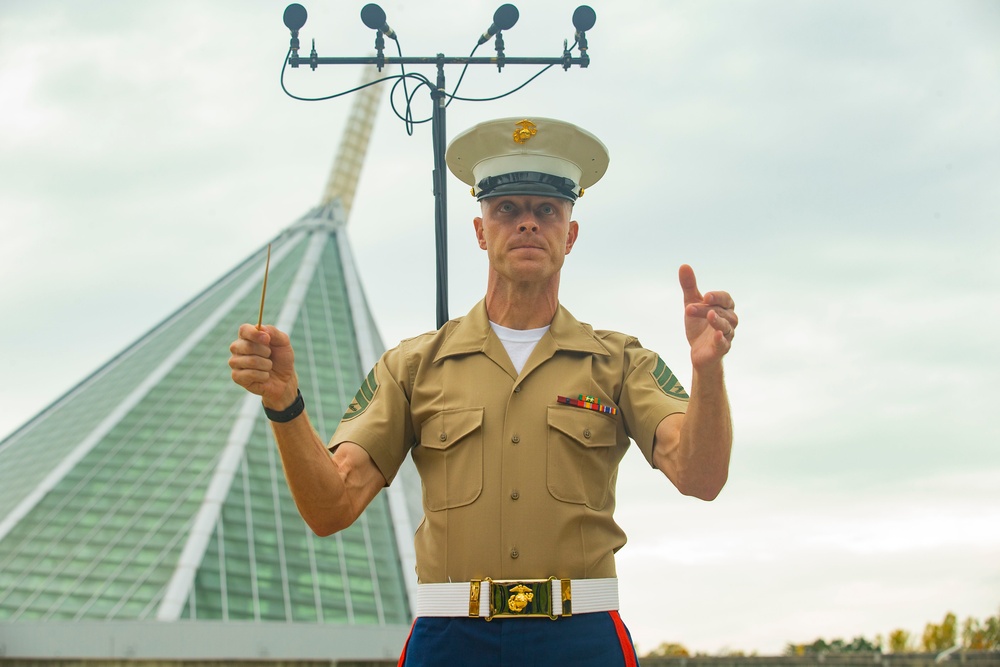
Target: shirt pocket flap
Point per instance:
(450, 427)
(585, 427)
(450, 458)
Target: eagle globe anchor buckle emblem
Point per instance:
(520, 599)
(550, 598)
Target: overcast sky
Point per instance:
(833, 165)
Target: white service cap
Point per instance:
(521, 156)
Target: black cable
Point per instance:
(453, 96)
(509, 92)
(327, 97)
(408, 121)
(461, 76)
(408, 118)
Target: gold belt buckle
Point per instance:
(520, 598)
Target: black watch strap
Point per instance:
(289, 413)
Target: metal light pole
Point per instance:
(374, 17)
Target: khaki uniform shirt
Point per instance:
(515, 484)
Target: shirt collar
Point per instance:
(472, 333)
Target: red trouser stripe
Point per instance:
(402, 656)
(628, 651)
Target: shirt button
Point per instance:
(515, 438)
(514, 553)
(515, 494)
(444, 436)
(586, 433)
(517, 389)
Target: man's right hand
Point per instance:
(263, 363)
(330, 491)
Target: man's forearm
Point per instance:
(707, 435)
(693, 449)
(317, 487)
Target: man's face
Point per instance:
(526, 237)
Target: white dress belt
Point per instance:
(453, 600)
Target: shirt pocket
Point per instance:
(581, 456)
(450, 458)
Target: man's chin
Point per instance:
(532, 272)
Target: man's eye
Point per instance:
(547, 209)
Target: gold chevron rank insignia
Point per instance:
(667, 381)
(363, 398)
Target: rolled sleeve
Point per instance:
(378, 419)
(650, 393)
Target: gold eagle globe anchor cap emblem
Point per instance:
(525, 131)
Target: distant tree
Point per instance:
(818, 646)
(973, 637)
(857, 645)
(938, 638)
(668, 649)
(899, 641)
(981, 636)
(992, 631)
(861, 645)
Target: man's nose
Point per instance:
(528, 223)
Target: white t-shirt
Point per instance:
(519, 343)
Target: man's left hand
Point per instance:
(709, 321)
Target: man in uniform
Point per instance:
(516, 417)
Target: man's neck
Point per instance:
(522, 305)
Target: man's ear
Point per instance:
(478, 224)
(574, 232)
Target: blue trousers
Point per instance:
(599, 640)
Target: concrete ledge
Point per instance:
(200, 641)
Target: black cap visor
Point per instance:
(527, 183)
